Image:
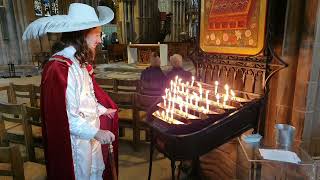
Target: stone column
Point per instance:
(306, 85)
(280, 98)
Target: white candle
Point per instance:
(225, 99)
(171, 85)
(177, 79)
(167, 113)
(207, 95)
(192, 81)
(167, 90)
(233, 95)
(226, 87)
(207, 99)
(218, 98)
(182, 87)
(197, 101)
(191, 98)
(187, 84)
(186, 108)
(201, 109)
(216, 83)
(187, 98)
(164, 101)
(162, 115)
(181, 106)
(200, 90)
(173, 101)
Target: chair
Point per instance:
(21, 91)
(35, 99)
(106, 84)
(11, 164)
(7, 91)
(11, 120)
(126, 85)
(33, 133)
(19, 132)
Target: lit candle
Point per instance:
(167, 90)
(178, 88)
(197, 101)
(173, 101)
(225, 99)
(191, 98)
(233, 95)
(218, 98)
(164, 101)
(200, 90)
(216, 83)
(186, 108)
(171, 85)
(177, 79)
(226, 87)
(187, 98)
(187, 84)
(207, 100)
(162, 115)
(182, 87)
(167, 113)
(207, 95)
(192, 81)
(201, 109)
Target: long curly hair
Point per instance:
(76, 39)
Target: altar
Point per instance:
(139, 53)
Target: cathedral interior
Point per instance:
(263, 50)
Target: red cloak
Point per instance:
(56, 134)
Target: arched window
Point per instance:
(46, 7)
(3, 22)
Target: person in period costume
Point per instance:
(152, 78)
(177, 69)
(80, 120)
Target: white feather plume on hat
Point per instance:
(80, 17)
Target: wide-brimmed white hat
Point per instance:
(80, 17)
